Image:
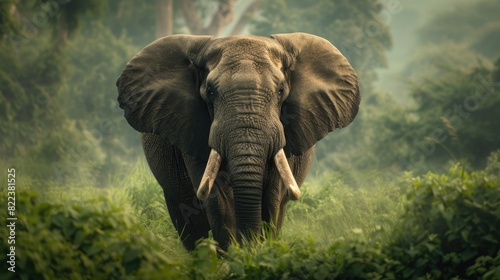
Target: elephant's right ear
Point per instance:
(324, 92)
(159, 92)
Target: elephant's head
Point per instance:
(242, 101)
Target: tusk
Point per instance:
(286, 174)
(208, 179)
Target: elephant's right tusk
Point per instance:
(208, 179)
(286, 174)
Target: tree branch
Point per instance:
(164, 18)
(221, 17)
(191, 17)
(247, 15)
(119, 11)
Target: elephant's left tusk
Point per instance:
(286, 174)
(208, 179)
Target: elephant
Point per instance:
(229, 124)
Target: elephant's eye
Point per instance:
(210, 93)
(281, 90)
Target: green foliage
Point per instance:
(59, 117)
(419, 136)
(72, 12)
(93, 96)
(146, 195)
(57, 105)
(468, 103)
(449, 74)
(90, 240)
(7, 23)
(148, 201)
(204, 262)
(29, 93)
(130, 19)
(452, 223)
(331, 209)
(32, 114)
(366, 145)
(306, 259)
(431, 63)
(475, 24)
(448, 229)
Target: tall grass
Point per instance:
(332, 209)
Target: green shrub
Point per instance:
(308, 259)
(94, 240)
(451, 228)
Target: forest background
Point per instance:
(430, 83)
(418, 63)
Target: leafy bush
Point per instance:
(452, 226)
(307, 259)
(95, 240)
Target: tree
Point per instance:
(70, 16)
(464, 37)
(463, 124)
(451, 82)
(8, 14)
(164, 18)
(220, 19)
(459, 22)
(33, 88)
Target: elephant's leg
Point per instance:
(275, 195)
(167, 164)
(219, 206)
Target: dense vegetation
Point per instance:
(381, 202)
(436, 226)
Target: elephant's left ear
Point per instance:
(324, 92)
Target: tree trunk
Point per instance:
(62, 30)
(119, 10)
(220, 19)
(164, 18)
(245, 17)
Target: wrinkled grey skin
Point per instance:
(246, 97)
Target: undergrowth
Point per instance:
(435, 226)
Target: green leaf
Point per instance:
(465, 234)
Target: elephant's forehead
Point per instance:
(245, 47)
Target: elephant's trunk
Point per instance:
(247, 154)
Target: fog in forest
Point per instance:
(430, 87)
(416, 61)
